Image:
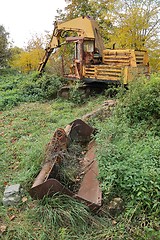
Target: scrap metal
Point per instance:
(47, 182)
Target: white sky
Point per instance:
(24, 18)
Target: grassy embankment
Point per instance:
(128, 154)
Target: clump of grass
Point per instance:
(64, 211)
(70, 168)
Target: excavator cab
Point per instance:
(88, 43)
(85, 54)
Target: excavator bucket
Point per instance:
(48, 182)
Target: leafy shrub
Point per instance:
(50, 85)
(77, 93)
(142, 101)
(111, 91)
(16, 88)
(9, 90)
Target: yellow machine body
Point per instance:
(92, 62)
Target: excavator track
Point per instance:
(86, 89)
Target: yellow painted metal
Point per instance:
(119, 65)
(83, 26)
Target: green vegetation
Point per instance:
(18, 88)
(128, 142)
(128, 154)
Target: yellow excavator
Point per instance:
(92, 63)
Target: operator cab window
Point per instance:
(77, 51)
(88, 46)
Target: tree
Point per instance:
(78, 8)
(28, 59)
(98, 10)
(136, 23)
(4, 49)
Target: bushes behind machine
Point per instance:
(50, 85)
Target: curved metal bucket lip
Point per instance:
(48, 188)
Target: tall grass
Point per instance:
(129, 153)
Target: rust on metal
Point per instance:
(49, 188)
(48, 183)
(79, 131)
(41, 186)
(90, 189)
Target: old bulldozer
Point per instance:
(92, 63)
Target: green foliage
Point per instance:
(9, 92)
(136, 23)
(84, 8)
(154, 59)
(129, 153)
(50, 85)
(77, 93)
(16, 88)
(129, 166)
(141, 103)
(112, 90)
(28, 60)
